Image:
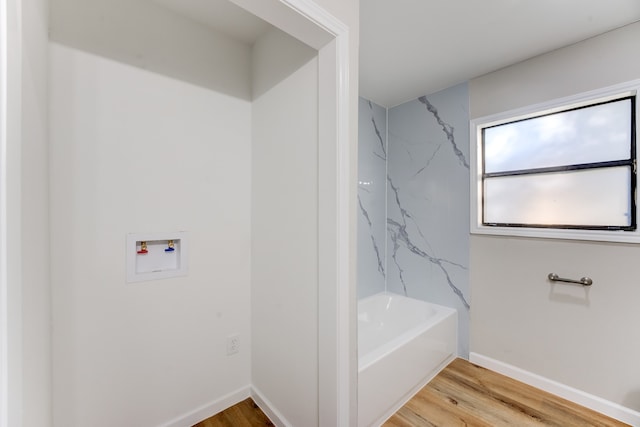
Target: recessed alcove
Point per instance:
(166, 115)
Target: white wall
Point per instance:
(147, 35)
(101, 27)
(284, 288)
(134, 151)
(586, 339)
(36, 291)
(12, 229)
(28, 293)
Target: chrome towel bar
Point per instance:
(585, 281)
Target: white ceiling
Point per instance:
(410, 48)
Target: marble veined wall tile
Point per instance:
(428, 202)
(372, 173)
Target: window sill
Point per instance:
(548, 233)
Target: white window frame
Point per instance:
(476, 125)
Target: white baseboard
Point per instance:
(611, 409)
(209, 409)
(218, 405)
(269, 410)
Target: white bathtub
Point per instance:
(402, 344)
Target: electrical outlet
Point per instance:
(233, 344)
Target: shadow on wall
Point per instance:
(275, 56)
(147, 35)
(576, 295)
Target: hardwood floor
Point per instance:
(243, 414)
(464, 394)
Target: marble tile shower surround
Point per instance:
(427, 202)
(372, 173)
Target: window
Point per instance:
(565, 169)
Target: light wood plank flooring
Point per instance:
(243, 414)
(464, 394)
